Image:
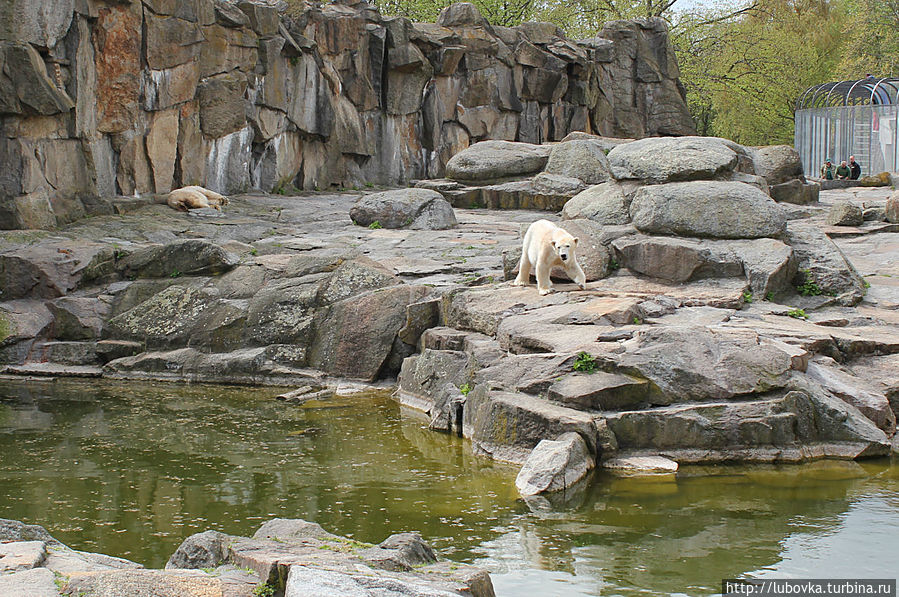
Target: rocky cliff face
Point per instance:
(99, 98)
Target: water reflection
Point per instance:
(130, 469)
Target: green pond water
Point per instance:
(131, 469)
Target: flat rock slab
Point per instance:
(600, 391)
(671, 159)
(707, 209)
(640, 465)
(21, 555)
(37, 582)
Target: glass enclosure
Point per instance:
(860, 118)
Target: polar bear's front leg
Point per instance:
(524, 270)
(544, 285)
(574, 271)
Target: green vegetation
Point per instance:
(175, 274)
(265, 590)
(638, 321)
(797, 313)
(769, 296)
(465, 389)
(808, 288)
(5, 327)
(614, 265)
(376, 225)
(747, 297)
(584, 363)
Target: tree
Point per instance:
(872, 45)
(743, 71)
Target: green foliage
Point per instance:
(265, 590)
(769, 296)
(797, 313)
(175, 274)
(747, 297)
(871, 43)
(638, 321)
(376, 225)
(614, 265)
(745, 66)
(465, 389)
(584, 363)
(254, 251)
(809, 287)
(5, 327)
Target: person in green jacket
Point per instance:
(843, 171)
(827, 170)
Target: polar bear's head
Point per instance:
(564, 245)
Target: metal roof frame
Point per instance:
(867, 91)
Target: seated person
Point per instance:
(843, 171)
(827, 170)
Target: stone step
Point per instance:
(66, 353)
(53, 370)
(601, 391)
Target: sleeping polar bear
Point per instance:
(195, 197)
(546, 245)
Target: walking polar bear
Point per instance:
(545, 246)
(194, 197)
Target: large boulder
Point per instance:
(892, 208)
(845, 213)
(494, 160)
(555, 465)
(583, 159)
(354, 337)
(181, 257)
(777, 163)
(707, 209)
(603, 203)
(767, 263)
(418, 209)
(821, 262)
(695, 364)
(672, 159)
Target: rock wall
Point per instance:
(99, 98)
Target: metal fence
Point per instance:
(869, 132)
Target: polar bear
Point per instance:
(194, 197)
(545, 246)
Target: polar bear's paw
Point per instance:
(545, 291)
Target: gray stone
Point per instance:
(820, 261)
(38, 582)
(78, 318)
(554, 465)
(292, 530)
(707, 209)
(777, 163)
(557, 184)
(303, 581)
(845, 213)
(583, 159)
(495, 160)
(25, 87)
(418, 209)
(892, 208)
(354, 337)
(201, 550)
(672, 159)
(604, 203)
(795, 191)
(704, 364)
(528, 420)
(854, 391)
(600, 391)
(182, 257)
(21, 555)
